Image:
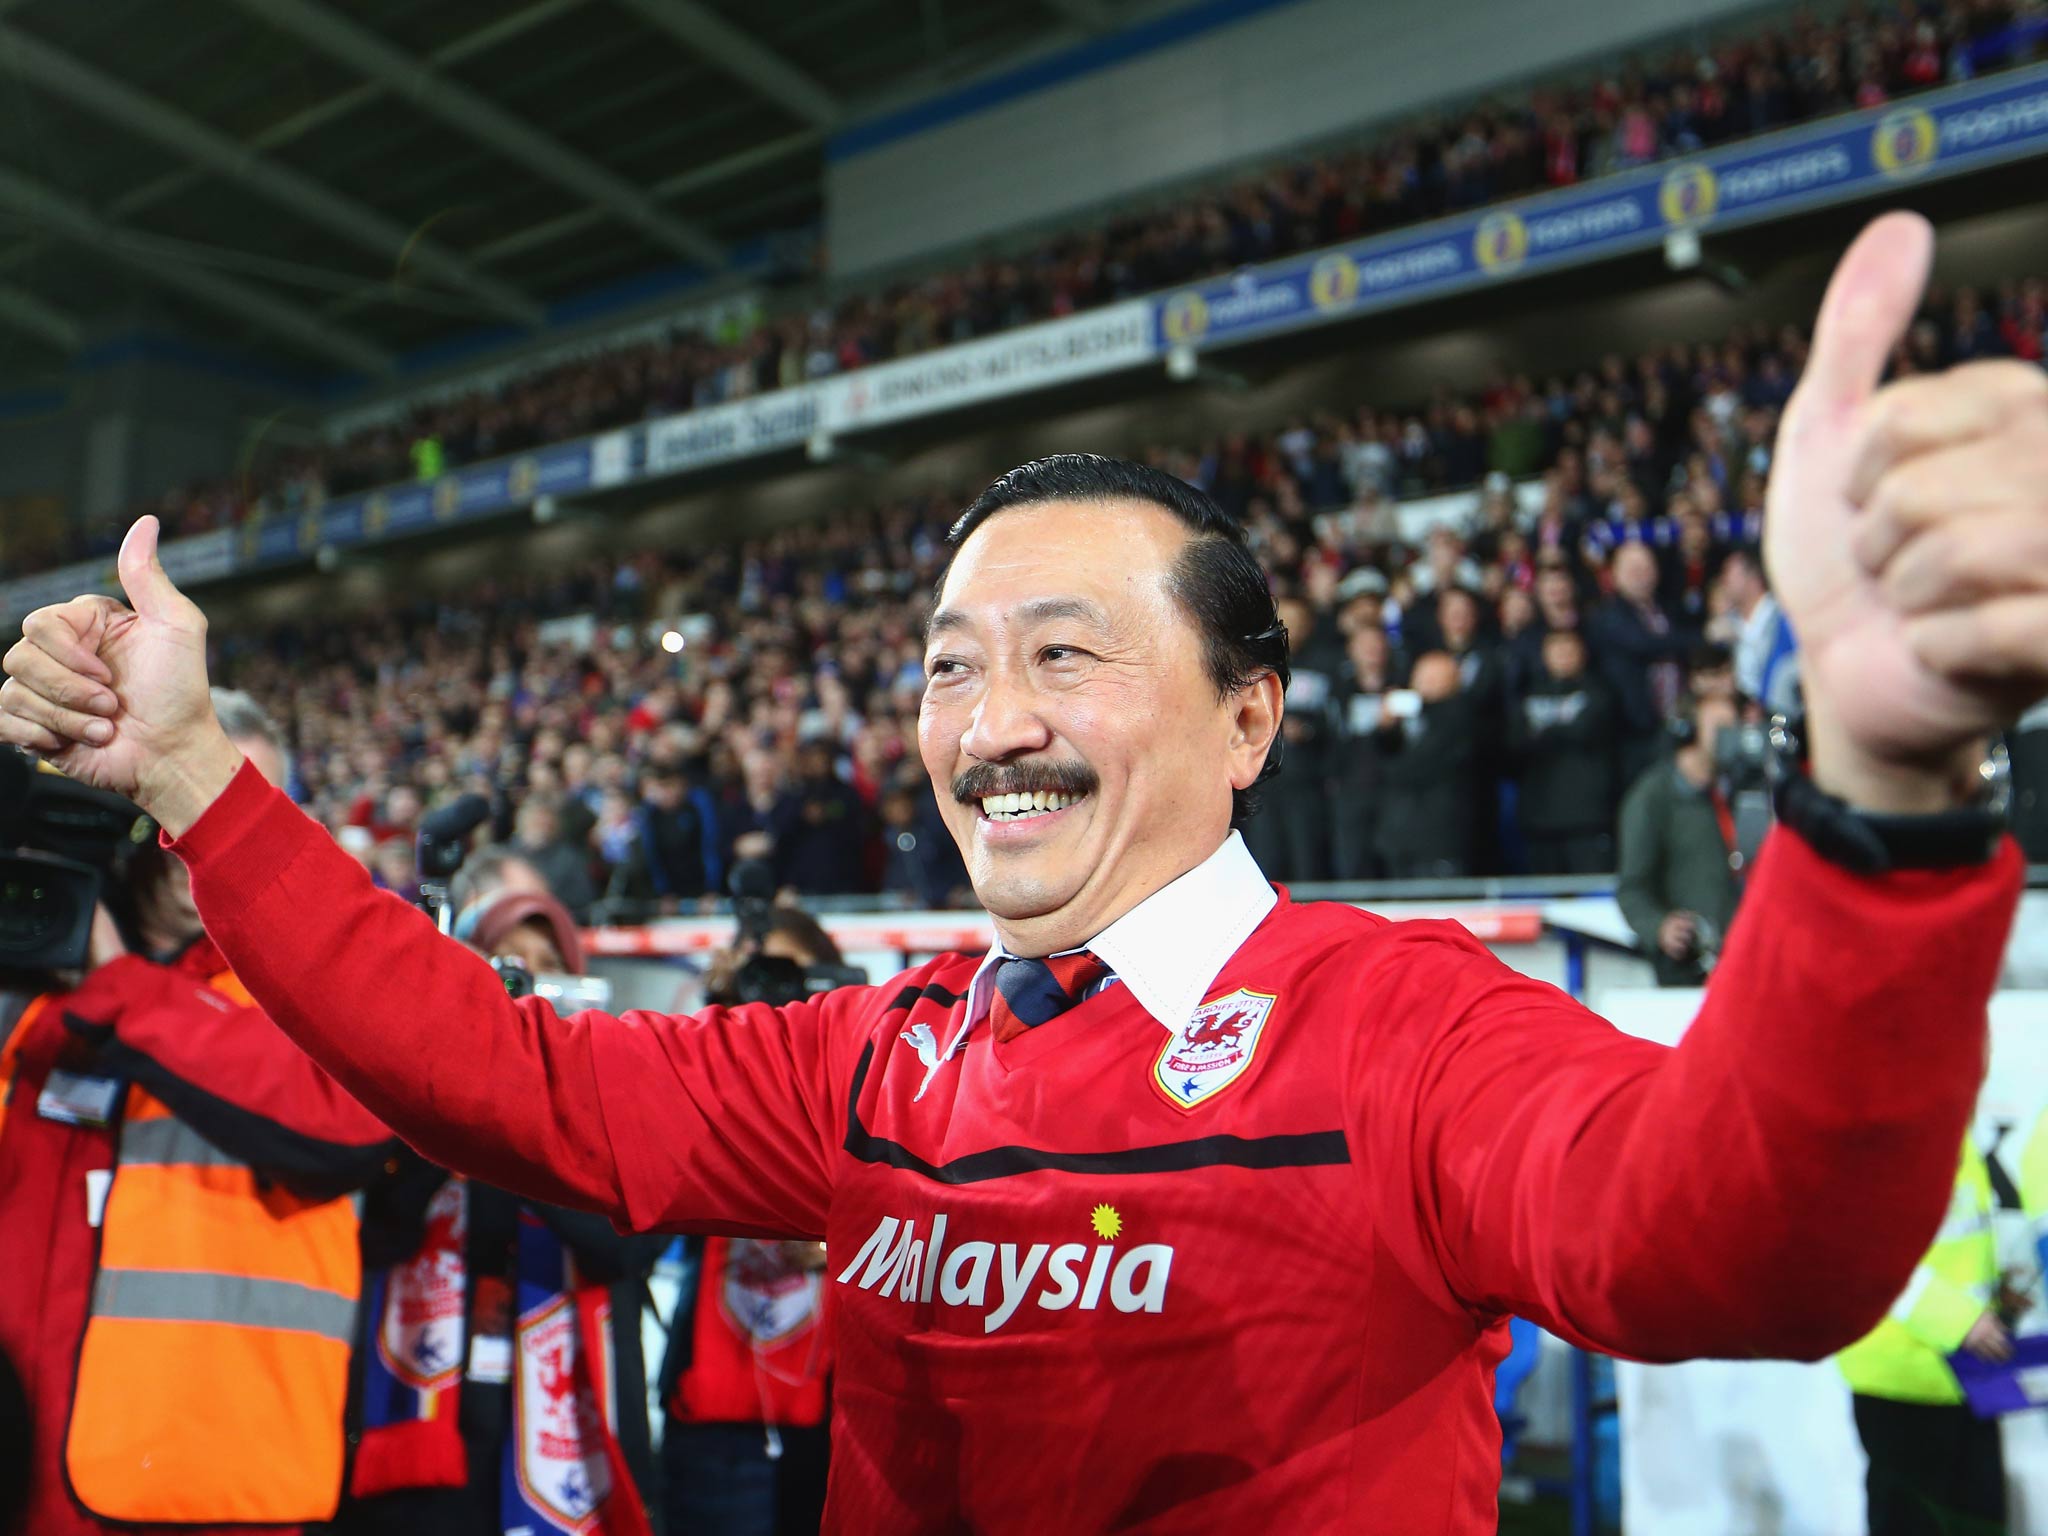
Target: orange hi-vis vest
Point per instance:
(211, 1286)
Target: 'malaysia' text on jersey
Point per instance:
(999, 1277)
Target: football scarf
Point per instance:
(563, 1469)
(757, 1339)
(412, 1371)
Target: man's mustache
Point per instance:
(1072, 778)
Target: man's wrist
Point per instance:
(1875, 815)
(179, 788)
(1890, 787)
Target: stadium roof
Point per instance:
(333, 183)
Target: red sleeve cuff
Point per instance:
(1878, 983)
(241, 843)
(2000, 876)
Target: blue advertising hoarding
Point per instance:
(1941, 133)
(480, 490)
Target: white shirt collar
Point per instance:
(1170, 948)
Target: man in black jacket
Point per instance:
(919, 859)
(1429, 741)
(1291, 834)
(820, 828)
(1557, 607)
(1561, 734)
(676, 855)
(1482, 680)
(1357, 791)
(1641, 650)
(562, 862)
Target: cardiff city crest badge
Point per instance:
(1212, 1050)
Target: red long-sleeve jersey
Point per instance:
(220, 1067)
(1067, 1302)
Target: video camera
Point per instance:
(773, 979)
(1741, 763)
(442, 845)
(61, 843)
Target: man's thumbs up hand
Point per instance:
(1870, 302)
(1900, 518)
(151, 593)
(117, 696)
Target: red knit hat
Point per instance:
(511, 908)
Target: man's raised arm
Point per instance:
(1767, 1187)
(722, 1122)
(1764, 1189)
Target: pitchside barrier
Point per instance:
(1564, 932)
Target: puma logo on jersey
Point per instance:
(999, 1278)
(931, 1056)
(925, 1043)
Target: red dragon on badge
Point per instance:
(1220, 1033)
(1209, 1052)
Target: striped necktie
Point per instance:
(1029, 992)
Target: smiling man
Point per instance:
(1190, 1207)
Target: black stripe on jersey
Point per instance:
(1307, 1149)
(930, 992)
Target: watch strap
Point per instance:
(1871, 844)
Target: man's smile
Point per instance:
(1023, 807)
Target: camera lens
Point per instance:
(31, 913)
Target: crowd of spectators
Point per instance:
(1690, 98)
(1470, 697)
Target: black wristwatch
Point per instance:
(1871, 844)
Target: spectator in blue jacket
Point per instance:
(676, 856)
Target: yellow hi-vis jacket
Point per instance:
(1905, 1357)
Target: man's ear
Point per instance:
(1259, 706)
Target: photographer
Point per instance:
(780, 954)
(1677, 887)
(181, 1322)
(454, 1345)
(744, 1383)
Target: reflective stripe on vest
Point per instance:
(213, 1375)
(168, 1142)
(171, 1296)
(1963, 1224)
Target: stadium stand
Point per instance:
(1637, 113)
(787, 713)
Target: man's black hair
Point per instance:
(1217, 580)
